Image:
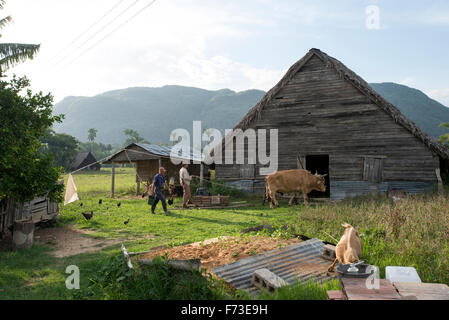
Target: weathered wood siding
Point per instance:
(317, 112)
(40, 208)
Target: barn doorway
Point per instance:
(319, 164)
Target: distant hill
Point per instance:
(416, 106)
(155, 112)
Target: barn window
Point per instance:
(372, 169)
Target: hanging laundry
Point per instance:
(70, 193)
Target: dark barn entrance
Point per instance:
(319, 164)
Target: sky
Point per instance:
(92, 46)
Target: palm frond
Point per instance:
(2, 3)
(445, 125)
(14, 53)
(5, 21)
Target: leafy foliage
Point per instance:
(98, 149)
(445, 137)
(309, 290)
(25, 170)
(92, 134)
(62, 147)
(133, 137)
(216, 187)
(13, 53)
(113, 280)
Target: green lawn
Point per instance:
(413, 232)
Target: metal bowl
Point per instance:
(344, 270)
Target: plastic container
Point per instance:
(401, 274)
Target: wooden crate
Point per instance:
(210, 201)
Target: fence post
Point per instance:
(112, 180)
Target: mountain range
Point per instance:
(155, 112)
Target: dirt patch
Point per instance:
(222, 251)
(68, 242)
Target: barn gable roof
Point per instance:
(81, 157)
(360, 84)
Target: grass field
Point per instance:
(412, 232)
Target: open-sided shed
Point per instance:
(148, 158)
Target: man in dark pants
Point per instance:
(158, 184)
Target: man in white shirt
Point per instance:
(184, 179)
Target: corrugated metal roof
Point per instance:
(165, 151)
(300, 261)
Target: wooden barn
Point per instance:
(84, 159)
(331, 121)
(147, 159)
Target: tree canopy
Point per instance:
(133, 137)
(26, 170)
(62, 147)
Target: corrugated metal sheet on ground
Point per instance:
(300, 261)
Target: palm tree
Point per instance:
(14, 53)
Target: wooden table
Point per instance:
(423, 291)
(356, 289)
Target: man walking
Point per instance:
(158, 184)
(184, 179)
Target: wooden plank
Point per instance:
(335, 295)
(356, 289)
(423, 291)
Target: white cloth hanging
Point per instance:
(70, 192)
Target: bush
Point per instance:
(114, 280)
(310, 290)
(216, 187)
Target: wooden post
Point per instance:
(201, 174)
(160, 163)
(112, 180)
(137, 186)
(23, 234)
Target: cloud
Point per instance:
(441, 95)
(169, 43)
(408, 81)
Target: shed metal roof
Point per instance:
(156, 150)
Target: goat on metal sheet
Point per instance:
(349, 248)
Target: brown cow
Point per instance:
(349, 248)
(293, 181)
